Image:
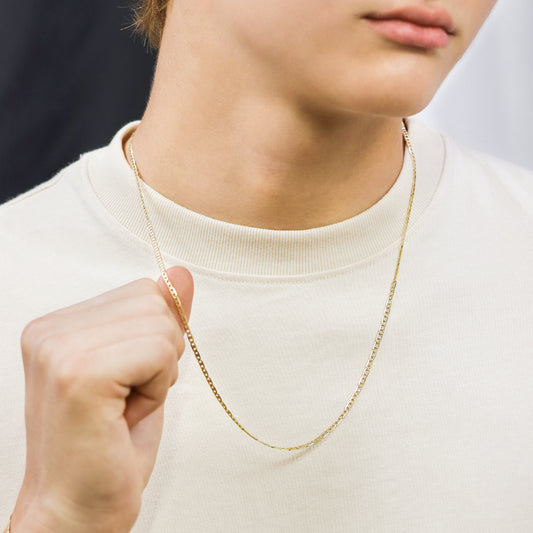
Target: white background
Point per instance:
(487, 100)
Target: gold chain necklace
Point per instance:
(183, 317)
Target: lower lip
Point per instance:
(404, 32)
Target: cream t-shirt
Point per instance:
(440, 438)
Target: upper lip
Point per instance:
(420, 15)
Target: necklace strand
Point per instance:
(183, 317)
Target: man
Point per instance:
(270, 167)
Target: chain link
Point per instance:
(183, 317)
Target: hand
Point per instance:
(97, 375)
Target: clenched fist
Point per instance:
(97, 375)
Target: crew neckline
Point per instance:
(224, 247)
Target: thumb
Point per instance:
(183, 282)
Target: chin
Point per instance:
(391, 92)
(385, 103)
(401, 107)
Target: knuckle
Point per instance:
(175, 375)
(167, 346)
(45, 351)
(33, 331)
(67, 377)
(65, 385)
(180, 346)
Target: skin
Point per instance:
(97, 376)
(284, 115)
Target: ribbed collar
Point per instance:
(224, 247)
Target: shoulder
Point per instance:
(489, 169)
(42, 190)
(486, 182)
(43, 205)
(53, 215)
(68, 194)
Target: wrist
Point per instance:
(42, 518)
(39, 520)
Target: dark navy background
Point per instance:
(70, 76)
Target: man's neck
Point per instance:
(225, 148)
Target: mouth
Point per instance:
(418, 26)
